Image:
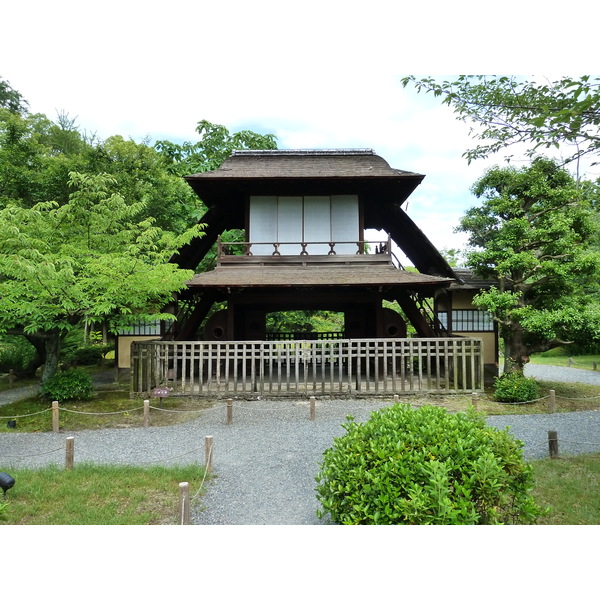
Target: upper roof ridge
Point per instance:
(308, 151)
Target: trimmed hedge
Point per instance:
(425, 466)
(73, 384)
(515, 387)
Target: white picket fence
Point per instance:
(304, 367)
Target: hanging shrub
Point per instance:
(73, 384)
(425, 466)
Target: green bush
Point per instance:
(90, 355)
(515, 387)
(73, 384)
(559, 351)
(16, 353)
(425, 466)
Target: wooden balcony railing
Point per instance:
(235, 252)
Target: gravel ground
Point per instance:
(266, 461)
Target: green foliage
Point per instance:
(215, 145)
(532, 234)
(515, 387)
(89, 355)
(90, 259)
(295, 321)
(11, 99)
(506, 111)
(425, 466)
(15, 353)
(560, 351)
(73, 384)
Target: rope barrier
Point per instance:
(176, 411)
(579, 398)
(205, 473)
(28, 415)
(29, 455)
(78, 412)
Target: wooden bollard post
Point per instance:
(229, 411)
(553, 444)
(595, 366)
(70, 453)
(11, 377)
(55, 423)
(312, 408)
(396, 398)
(474, 400)
(208, 446)
(552, 401)
(184, 503)
(146, 413)
(570, 362)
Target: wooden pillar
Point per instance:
(70, 453)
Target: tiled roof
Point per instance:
(471, 281)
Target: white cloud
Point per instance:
(319, 74)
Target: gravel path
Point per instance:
(266, 461)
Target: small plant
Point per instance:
(425, 466)
(73, 384)
(515, 387)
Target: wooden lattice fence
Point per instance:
(304, 367)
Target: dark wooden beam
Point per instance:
(189, 327)
(414, 315)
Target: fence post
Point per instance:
(570, 362)
(312, 408)
(552, 401)
(208, 444)
(229, 411)
(184, 503)
(55, 423)
(553, 444)
(11, 377)
(146, 413)
(595, 366)
(70, 453)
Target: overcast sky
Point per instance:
(319, 74)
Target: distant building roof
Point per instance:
(470, 281)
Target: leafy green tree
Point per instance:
(215, 145)
(532, 234)
(142, 174)
(89, 259)
(11, 99)
(505, 111)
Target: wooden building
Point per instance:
(304, 214)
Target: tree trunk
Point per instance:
(516, 353)
(53, 342)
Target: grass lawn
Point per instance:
(121, 495)
(570, 487)
(111, 407)
(560, 359)
(98, 495)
